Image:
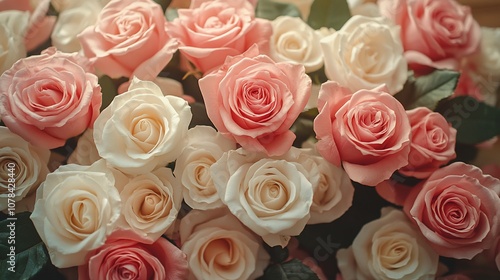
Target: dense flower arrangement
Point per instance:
(238, 139)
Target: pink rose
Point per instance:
(129, 39)
(126, 256)
(457, 210)
(255, 101)
(49, 98)
(432, 143)
(209, 31)
(435, 33)
(368, 132)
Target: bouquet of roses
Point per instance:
(245, 139)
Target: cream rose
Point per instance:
(76, 209)
(295, 41)
(85, 152)
(271, 196)
(13, 28)
(22, 168)
(365, 53)
(151, 203)
(204, 147)
(218, 246)
(388, 248)
(142, 129)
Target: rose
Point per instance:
(127, 256)
(271, 196)
(204, 147)
(22, 167)
(364, 8)
(435, 33)
(432, 143)
(142, 129)
(218, 246)
(304, 6)
(294, 41)
(49, 98)
(368, 132)
(255, 101)
(13, 27)
(151, 202)
(63, 5)
(85, 152)
(390, 247)
(209, 31)
(365, 53)
(457, 210)
(129, 39)
(76, 209)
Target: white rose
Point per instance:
(388, 248)
(72, 22)
(304, 6)
(271, 196)
(13, 28)
(365, 53)
(142, 129)
(22, 168)
(295, 41)
(150, 203)
(204, 147)
(218, 246)
(85, 152)
(76, 209)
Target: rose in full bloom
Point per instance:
(50, 97)
(390, 247)
(76, 209)
(151, 202)
(218, 246)
(209, 31)
(128, 256)
(22, 167)
(13, 27)
(129, 39)
(85, 152)
(204, 147)
(368, 132)
(365, 53)
(142, 129)
(457, 210)
(296, 42)
(432, 143)
(255, 101)
(271, 196)
(435, 33)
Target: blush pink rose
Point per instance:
(126, 256)
(255, 101)
(129, 39)
(368, 132)
(49, 98)
(209, 31)
(457, 210)
(432, 143)
(435, 33)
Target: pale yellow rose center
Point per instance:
(151, 203)
(273, 195)
(83, 215)
(147, 131)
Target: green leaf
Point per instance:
(427, 91)
(475, 121)
(163, 3)
(30, 253)
(329, 13)
(292, 270)
(108, 89)
(270, 10)
(171, 14)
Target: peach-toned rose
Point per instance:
(49, 98)
(368, 132)
(255, 101)
(219, 247)
(457, 210)
(435, 33)
(128, 256)
(76, 209)
(432, 143)
(13, 27)
(209, 31)
(390, 247)
(129, 39)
